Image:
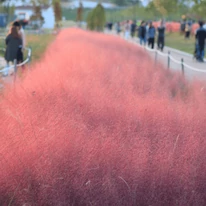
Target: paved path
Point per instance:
(7, 79)
(196, 69)
(2, 62)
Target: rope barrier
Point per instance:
(194, 69)
(20, 64)
(176, 61)
(181, 63)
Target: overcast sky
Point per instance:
(145, 2)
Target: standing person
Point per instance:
(80, 15)
(118, 28)
(204, 26)
(201, 37)
(20, 57)
(133, 28)
(142, 33)
(13, 42)
(147, 29)
(127, 30)
(109, 26)
(182, 26)
(151, 35)
(161, 36)
(187, 30)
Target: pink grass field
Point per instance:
(97, 123)
(175, 26)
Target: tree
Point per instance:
(96, 19)
(79, 13)
(120, 2)
(164, 8)
(200, 8)
(37, 17)
(57, 11)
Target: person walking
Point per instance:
(13, 43)
(151, 35)
(133, 28)
(204, 26)
(118, 28)
(182, 26)
(200, 38)
(142, 33)
(187, 31)
(161, 36)
(127, 30)
(20, 56)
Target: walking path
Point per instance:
(2, 62)
(192, 68)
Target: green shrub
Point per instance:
(96, 18)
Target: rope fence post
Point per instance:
(30, 57)
(182, 65)
(15, 69)
(168, 60)
(156, 53)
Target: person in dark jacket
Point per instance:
(133, 28)
(161, 36)
(151, 35)
(13, 43)
(200, 38)
(142, 33)
(20, 56)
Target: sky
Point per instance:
(145, 2)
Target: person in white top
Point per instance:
(204, 26)
(127, 30)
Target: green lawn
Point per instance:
(177, 41)
(39, 44)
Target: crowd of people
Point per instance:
(144, 30)
(148, 33)
(186, 28)
(15, 44)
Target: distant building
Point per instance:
(16, 3)
(3, 20)
(25, 12)
(87, 4)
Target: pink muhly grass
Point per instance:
(96, 123)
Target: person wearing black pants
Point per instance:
(200, 38)
(151, 35)
(151, 41)
(133, 29)
(161, 36)
(20, 54)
